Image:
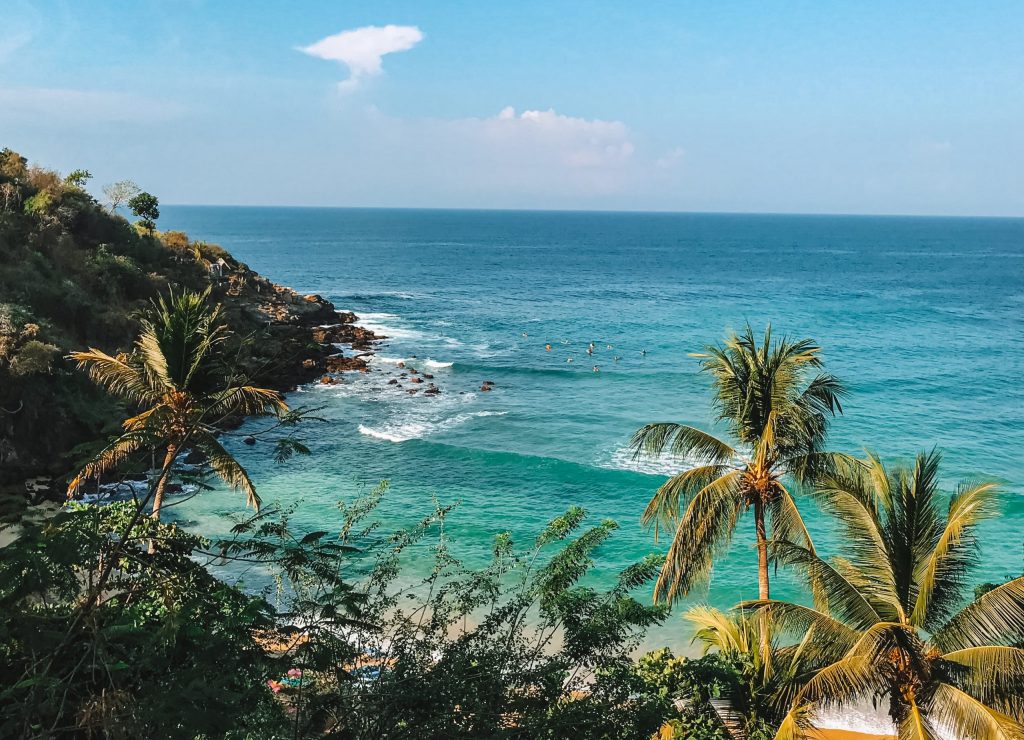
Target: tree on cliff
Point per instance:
(779, 416)
(119, 193)
(177, 376)
(147, 208)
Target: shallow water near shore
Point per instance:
(921, 317)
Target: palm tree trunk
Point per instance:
(161, 486)
(763, 589)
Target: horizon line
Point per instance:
(609, 211)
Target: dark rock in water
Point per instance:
(328, 380)
(412, 390)
(432, 390)
(415, 380)
(428, 376)
(393, 381)
(339, 363)
(488, 382)
(173, 488)
(250, 441)
(194, 457)
(413, 371)
(345, 333)
(485, 387)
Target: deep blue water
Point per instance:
(920, 316)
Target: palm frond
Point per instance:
(832, 638)
(119, 377)
(966, 717)
(787, 524)
(154, 363)
(682, 442)
(797, 724)
(115, 453)
(663, 509)
(703, 532)
(858, 674)
(942, 578)
(730, 633)
(245, 400)
(916, 725)
(227, 468)
(993, 673)
(845, 681)
(996, 618)
(833, 590)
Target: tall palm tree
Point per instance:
(177, 377)
(888, 623)
(776, 405)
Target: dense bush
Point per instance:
(82, 275)
(350, 649)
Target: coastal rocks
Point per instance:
(328, 380)
(345, 332)
(340, 364)
(433, 390)
(415, 380)
(249, 441)
(290, 338)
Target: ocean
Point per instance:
(921, 317)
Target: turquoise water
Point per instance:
(921, 317)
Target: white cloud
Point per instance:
(512, 158)
(362, 50)
(575, 142)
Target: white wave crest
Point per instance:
(623, 459)
(389, 325)
(406, 429)
(384, 360)
(435, 365)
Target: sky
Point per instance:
(795, 107)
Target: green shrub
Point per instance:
(33, 357)
(39, 204)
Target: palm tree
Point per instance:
(762, 683)
(177, 377)
(776, 405)
(888, 623)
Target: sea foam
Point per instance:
(403, 430)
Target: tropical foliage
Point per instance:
(340, 642)
(889, 623)
(185, 389)
(776, 404)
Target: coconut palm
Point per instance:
(888, 624)
(177, 377)
(764, 681)
(776, 405)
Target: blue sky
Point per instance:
(817, 107)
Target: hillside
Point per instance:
(75, 274)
